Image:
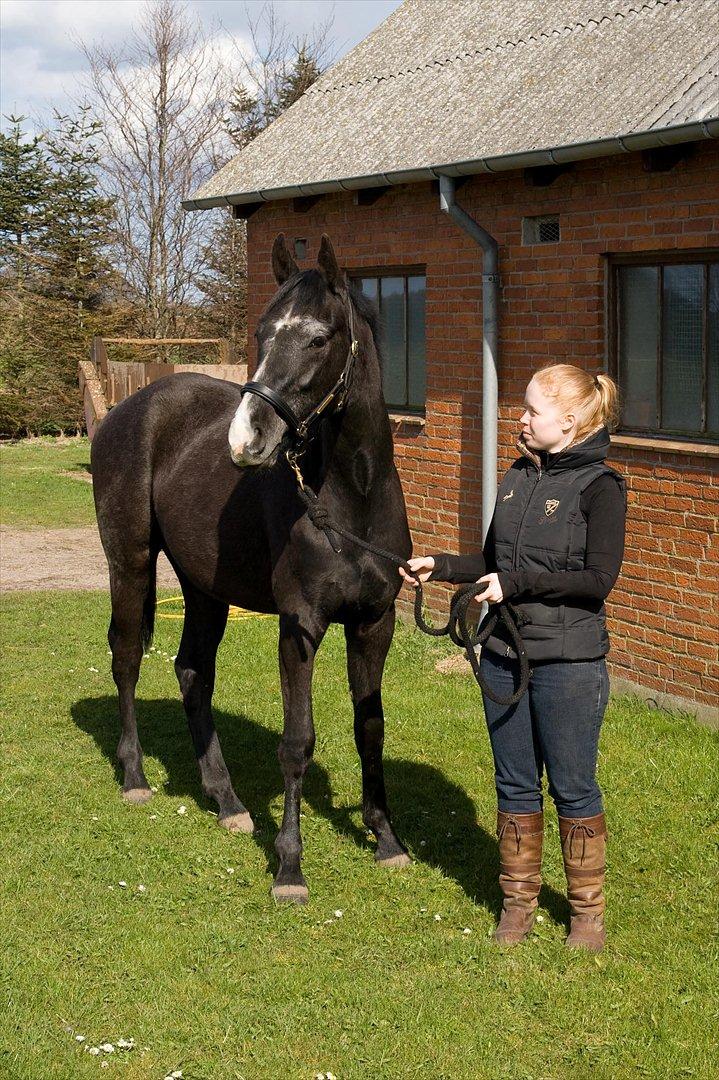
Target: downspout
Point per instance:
(490, 292)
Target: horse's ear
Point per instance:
(283, 265)
(329, 266)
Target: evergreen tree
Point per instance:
(224, 281)
(305, 70)
(55, 280)
(276, 83)
(25, 194)
(78, 231)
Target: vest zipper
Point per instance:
(521, 522)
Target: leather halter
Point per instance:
(301, 430)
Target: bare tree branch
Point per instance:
(161, 102)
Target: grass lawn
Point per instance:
(41, 483)
(209, 977)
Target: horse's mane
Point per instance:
(310, 288)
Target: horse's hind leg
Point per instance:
(367, 648)
(205, 621)
(133, 602)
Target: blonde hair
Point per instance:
(593, 399)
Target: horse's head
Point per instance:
(303, 340)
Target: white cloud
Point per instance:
(56, 19)
(42, 66)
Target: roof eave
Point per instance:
(622, 144)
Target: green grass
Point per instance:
(35, 488)
(208, 976)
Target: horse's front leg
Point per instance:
(297, 648)
(367, 648)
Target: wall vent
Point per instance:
(541, 230)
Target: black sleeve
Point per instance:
(603, 506)
(457, 569)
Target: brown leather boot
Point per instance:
(583, 847)
(520, 863)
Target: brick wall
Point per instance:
(664, 611)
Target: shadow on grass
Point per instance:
(425, 805)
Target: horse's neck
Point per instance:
(360, 449)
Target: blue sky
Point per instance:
(41, 64)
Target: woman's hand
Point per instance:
(493, 590)
(423, 566)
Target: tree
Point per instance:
(55, 279)
(275, 73)
(223, 281)
(78, 230)
(161, 102)
(25, 187)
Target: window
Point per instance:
(665, 343)
(541, 230)
(401, 300)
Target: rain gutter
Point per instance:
(695, 131)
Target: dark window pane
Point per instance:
(638, 327)
(369, 287)
(713, 352)
(682, 348)
(416, 341)
(395, 344)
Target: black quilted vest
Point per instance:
(538, 526)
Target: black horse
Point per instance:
(198, 469)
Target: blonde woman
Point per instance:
(555, 547)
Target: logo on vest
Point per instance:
(550, 506)
(505, 497)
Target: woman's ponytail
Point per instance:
(609, 392)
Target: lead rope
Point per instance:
(456, 627)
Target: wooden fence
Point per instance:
(105, 382)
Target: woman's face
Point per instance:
(543, 427)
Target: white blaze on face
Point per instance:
(242, 430)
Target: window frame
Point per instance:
(659, 260)
(356, 274)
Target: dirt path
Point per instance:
(60, 559)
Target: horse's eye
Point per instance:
(318, 342)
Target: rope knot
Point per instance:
(319, 516)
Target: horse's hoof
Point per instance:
(290, 894)
(137, 795)
(403, 859)
(238, 823)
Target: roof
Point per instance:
(443, 83)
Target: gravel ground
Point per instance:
(60, 559)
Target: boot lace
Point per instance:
(579, 828)
(517, 831)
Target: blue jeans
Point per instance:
(554, 726)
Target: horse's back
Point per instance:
(137, 422)
(138, 438)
